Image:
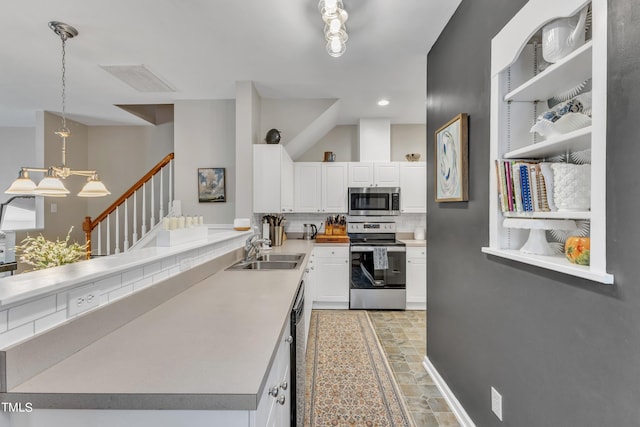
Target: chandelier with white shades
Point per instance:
(334, 17)
(51, 185)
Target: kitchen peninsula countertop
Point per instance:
(209, 347)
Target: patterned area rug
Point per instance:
(349, 381)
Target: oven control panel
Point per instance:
(371, 227)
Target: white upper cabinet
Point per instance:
(374, 174)
(320, 187)
(334, 187)
(528, 79)
(308, 187)
(413, 187)
(360, 174)
(272, 179)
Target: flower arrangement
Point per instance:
(42, 253)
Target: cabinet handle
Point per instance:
(306, 270)
(284, 385)
(289, 339)
(409, 260)
(333, 253)
(281, 400)
(273, 391)
(346, 261)
(312, 268)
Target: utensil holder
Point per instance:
(278, 235)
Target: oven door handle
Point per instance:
(370, 248)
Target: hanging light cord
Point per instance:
(63, 36)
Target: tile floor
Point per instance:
(403, 337)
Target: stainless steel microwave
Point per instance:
(374, 201)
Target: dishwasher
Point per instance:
(298, 370)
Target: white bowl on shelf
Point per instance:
(565, 124)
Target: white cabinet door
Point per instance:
(267, 160)
(416, 278)
(332, 276)
(413, 187)
(286, 181)
(386, 175)
(272, 179)
(334, 187)
(360, 174)
(308, 185)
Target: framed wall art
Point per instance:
(451, 160)
(211, 185)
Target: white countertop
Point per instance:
(414, 243)
(23, 286)
(210, 347)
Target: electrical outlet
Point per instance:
(496, 403)
(83, 299)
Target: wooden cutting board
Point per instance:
(323, 238)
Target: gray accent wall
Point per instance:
(562, 351)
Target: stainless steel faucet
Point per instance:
(251, 247)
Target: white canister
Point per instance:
(418, 233)
(571, 186)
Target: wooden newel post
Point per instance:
(86, 227)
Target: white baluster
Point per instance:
(117, 247)
(153, 206)
(109, 234)
(144, 209)
(161, 197)
(135, 217)
(126, 225)
(170, 186)
(99, 239)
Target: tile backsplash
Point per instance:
(405, 223)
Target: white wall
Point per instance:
(343, 140)
(247, 122)
(289, 116)
(18, 145)
(205, 136)
(407, 139)
(123, 154)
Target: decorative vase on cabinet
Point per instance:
(519, 92)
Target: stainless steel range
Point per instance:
(378, 271)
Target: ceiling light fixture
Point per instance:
(51, 185)
(383, 102)
(335, 32)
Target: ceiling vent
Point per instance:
(138, 77)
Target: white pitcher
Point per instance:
(563, 36)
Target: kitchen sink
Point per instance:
(264, 265)
(280, 257)
(270, 265)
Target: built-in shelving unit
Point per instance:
(570, 70)
(519, 93)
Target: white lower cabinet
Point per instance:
(274, 406)
(331, 271)
(416, 278)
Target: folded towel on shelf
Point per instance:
(380, 259)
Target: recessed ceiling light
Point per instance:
(383, 102)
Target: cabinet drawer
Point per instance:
(331, 251)
(416, 252)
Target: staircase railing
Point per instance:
(144, 189)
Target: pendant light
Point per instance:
(51, 185)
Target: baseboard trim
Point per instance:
(452, 401)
